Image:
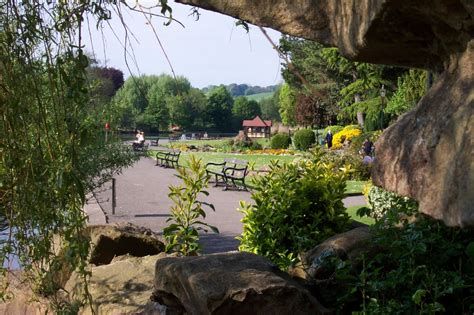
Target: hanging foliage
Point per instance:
(52, 150)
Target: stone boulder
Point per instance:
(109, 241)
(21, 299)
(229, 283)
(319, 265)
(347, 246)
(242, 137)
(121, 287)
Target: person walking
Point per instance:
(329, 139)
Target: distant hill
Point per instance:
(260, 96)
(245, 90)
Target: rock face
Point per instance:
(428, 153)
(229, 283)
(421, 33)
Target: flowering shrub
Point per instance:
(344, 135)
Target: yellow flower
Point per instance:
(344, 135)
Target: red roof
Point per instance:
(257, 122)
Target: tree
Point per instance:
(146, 102)
(245, 109)
(53, 150)
(346, 88)
(309, 111)
(287, 105)
(219, 109)
(410, 89)
(269, 109)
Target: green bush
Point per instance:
(303, 139)
(356, 142)
(381, 202)
(296, 206)
(280, 141)
(337, 160)
(239, 145)
(422, 267)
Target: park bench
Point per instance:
(173, 138)
(168, 158)
(140, 147)
(229, 173)
(154, 142)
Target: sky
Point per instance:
(210, 51)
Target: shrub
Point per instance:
(240, 145)
(280, 141)
(296, 207)
(356, 142)
(341, 136)
(303, 139)
(350, 127)
(422, 267)
(381, 202)
(359, 170)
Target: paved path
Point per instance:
(142, 198)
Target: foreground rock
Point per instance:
(229, 283)
(108, 242)
(122, 287)
(21, 299)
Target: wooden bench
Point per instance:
(140, 147)
(168, 158)
(228, 173)
(154, 142)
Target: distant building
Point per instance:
(257, 128)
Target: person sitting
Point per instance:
(367, 160)
(140, 140)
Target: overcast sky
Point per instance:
(210, 51)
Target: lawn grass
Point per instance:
(256, 161)
(212, 142)
(352, 211)
(216, 143)
(355, 187)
